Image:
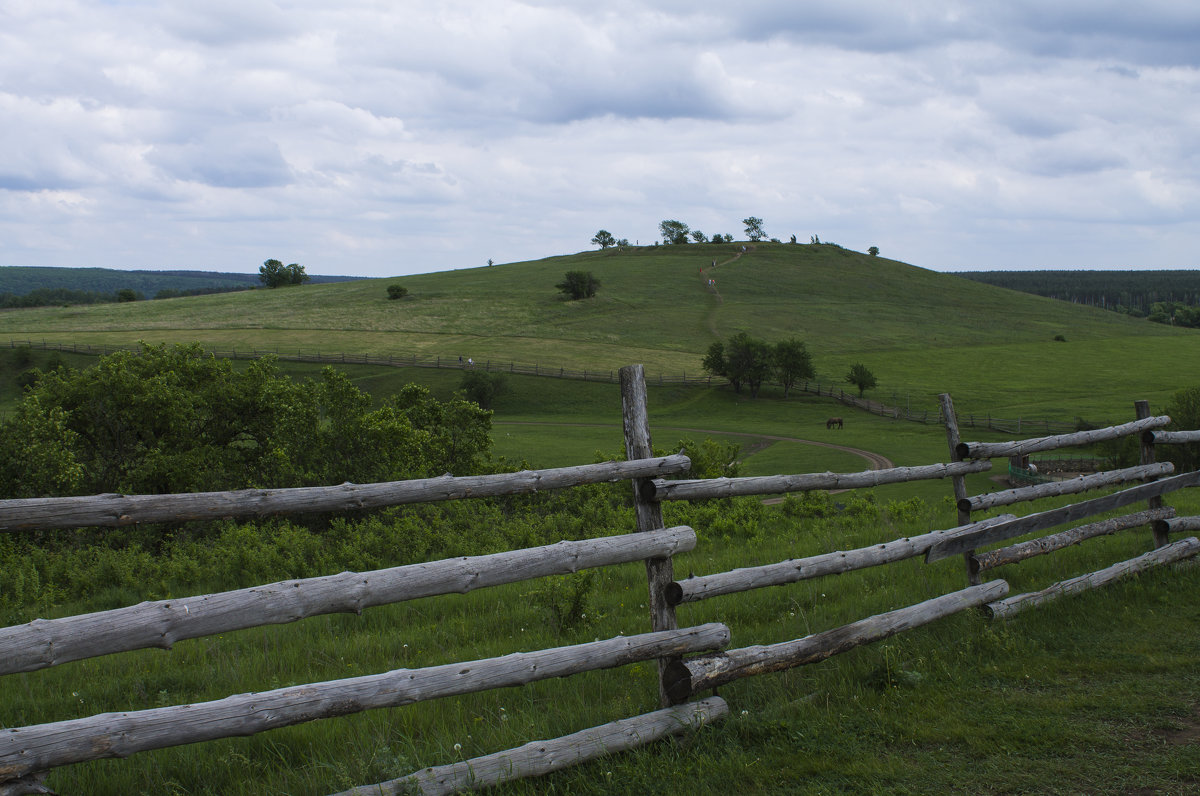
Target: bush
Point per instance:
(578, 285)
(397, 292)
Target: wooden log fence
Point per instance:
(1177, 551)
(1071, 486)
(27, 752)
(50, 642)
(30, 514)
(542, 757)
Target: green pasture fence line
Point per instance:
(925, 416)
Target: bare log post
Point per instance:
(960, 482)
(660, 572)
(1142, 410)
(537, 758)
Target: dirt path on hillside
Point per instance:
(710, 284)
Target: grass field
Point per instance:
(1097, 694)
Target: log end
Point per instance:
(677, 682)
(673, 593)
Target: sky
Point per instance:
(388, 137)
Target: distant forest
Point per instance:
(38, 286)
(1171, 297)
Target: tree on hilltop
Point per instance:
(274, 273)
(674, 232)
(604, 239)
(754, 228)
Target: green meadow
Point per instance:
(1095, 694)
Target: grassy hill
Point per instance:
(919, 331)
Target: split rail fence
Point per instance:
(691, 660)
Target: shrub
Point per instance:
(397, 292)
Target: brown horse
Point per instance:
(833, 421)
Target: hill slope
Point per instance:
(920, 331)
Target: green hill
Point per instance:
(921, 332)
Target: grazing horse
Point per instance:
(833, 421)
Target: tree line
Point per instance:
(749, 361)
(1132, 292)
(677, 233)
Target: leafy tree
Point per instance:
(873, 251)
(674, 232)
(482, 387)
(578, 285)
(749, 360)
(861, 378)
(176, 419)
(714, 363)
(397, 291)
(792, 363)
(604, 239)
(129, 294)
(274, 273)
(699, 236)
(754, 228)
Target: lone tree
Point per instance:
(604, 239)
(792, 363)
(397, 291)
(754, 228)
(861, 378)
(578, 285)
(274, 273)
(674, 232)
(873, 251)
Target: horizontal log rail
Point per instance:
(691, 676)
(29, 514)
(542, 757)
(1176, 551)
(1171, 525)
(988, 450)
(797, 569)
(1048, 544)
(49, 642)
(1170, 437)
(28, 750)
(972, 537)
(773, 484)
(1071, 486)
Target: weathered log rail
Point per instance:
(27, 752)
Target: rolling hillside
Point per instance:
(919, 331)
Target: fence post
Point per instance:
(959, 481)
(1161, 537)
(659, 571)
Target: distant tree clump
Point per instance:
(129, 294)
(274, 273)
(754, 228)
(674, 232)
(792, 363)
(604, 239)
(873, 251)
(578, 285)
(861, 378)
(482, 387)
(396, 292)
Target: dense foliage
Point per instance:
(1133, 292)
(175, 419)
(578, 285)
(747, 360)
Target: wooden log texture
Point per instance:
(1048, 544)
(797, 569)
(1184, 548)
(1071, 486)
(1171, 437)
(694, 675)
(988, 450)
(1170, 525)
(26, 750)
(660, 572)
(49, 642)
(537, 758)
(773, 484)
(971, 538)
(29, 514)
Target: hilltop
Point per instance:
(918, 330)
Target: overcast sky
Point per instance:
(386, 137)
